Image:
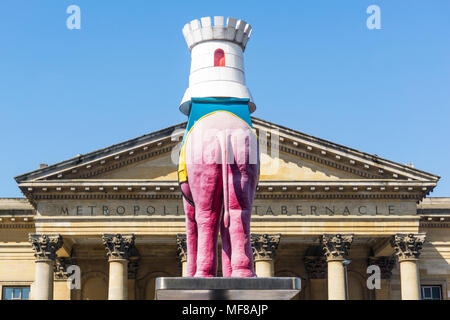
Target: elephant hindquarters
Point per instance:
(240, 176)
(222, 167)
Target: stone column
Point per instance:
(316, 267)
(407, 249)
(335, 248)
(118, 248)
(182, 253)
(264, 247)
(45, 247)
(386, 264)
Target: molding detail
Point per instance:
(182, 247)
(258, 195)
(45, 245)
(386, 265)
(407, 246)
(60, 268)
(264, 245)
(316, 266)
(336, 246)
(118, 246)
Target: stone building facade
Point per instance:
(325, 213)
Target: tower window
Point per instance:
(219, 58)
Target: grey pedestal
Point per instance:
(184, 288)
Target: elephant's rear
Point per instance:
(221, 168)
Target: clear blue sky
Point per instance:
(311, 65)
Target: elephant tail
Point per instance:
(226, 191)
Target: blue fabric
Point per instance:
(203, 106)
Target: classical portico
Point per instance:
(322, 212)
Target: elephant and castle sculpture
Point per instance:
(218, 166)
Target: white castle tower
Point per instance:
(217, 60)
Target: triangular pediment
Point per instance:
(159, 168)
(298, 157)
(289, 167)
(282, 167)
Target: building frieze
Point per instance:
(261, 207)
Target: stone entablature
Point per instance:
(408, 246)
(118, 246)
(339, 189)
(45, 245)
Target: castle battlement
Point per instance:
(197, 31)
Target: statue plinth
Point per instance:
(221, 288)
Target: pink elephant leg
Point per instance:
(242, 180)
(191, 231)
(191, 238)
(226, 250)
(207, 195)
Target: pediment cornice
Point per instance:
(143, 189)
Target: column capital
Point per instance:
(181, 247)
(118, 246)
(60, 268)
(386, 264)
(336, 246)
(407, 246)
(316, 267)
(45, 245)
(264, 245)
